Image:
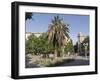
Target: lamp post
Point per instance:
(85, 46)
(79, 43)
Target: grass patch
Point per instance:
(52, 62)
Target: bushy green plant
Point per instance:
(86, 40)
(69, 48)
(38, 45)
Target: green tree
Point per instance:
(30, 44)
(57, 33)
(47, 47)
(69, 48)
(76, 47)
(86, 40)
(38, 45)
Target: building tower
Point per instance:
(80, 40)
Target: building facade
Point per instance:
(81, 38)
(30, 33)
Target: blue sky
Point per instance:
(40, 22)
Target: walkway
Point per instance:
(75, 61)
(78, 60)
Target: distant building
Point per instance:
(30, 33)
(37, 34)
(27, 35)
(81, 38)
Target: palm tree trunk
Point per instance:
(55, 53)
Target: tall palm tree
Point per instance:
(57, 33)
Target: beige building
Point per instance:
(38, 34)
(81, 38)
(30, 33)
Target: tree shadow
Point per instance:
(75, 62)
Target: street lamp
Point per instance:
(79, 49)
(85, 46)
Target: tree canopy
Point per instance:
(57, 32)
(28, 15)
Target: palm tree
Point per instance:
(28, 15)
(57, 33)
